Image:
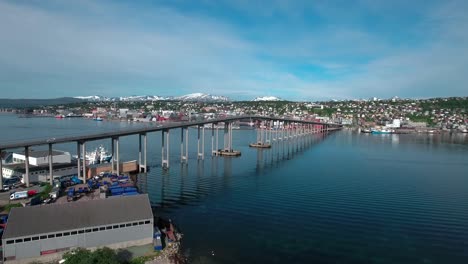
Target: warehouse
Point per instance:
(47, 231)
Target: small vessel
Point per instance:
(381, 131)
(365, 130)
(59, 116)
(260, 145)
(98, 119)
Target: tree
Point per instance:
(103, 255)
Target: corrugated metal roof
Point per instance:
(34, 220)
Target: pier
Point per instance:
(269, 130)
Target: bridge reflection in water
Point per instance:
(189, 183)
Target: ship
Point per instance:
(100, 155)
(381, 131)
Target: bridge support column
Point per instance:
(117, 153)
(26, 166)
(78, 156)
(142, 165)
(201, 155)
(1, 172)
(165, 150)
(83, 169)
(217, 140)
(51, 167)
(184, 147)
(213, 151)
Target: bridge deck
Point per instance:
(135, 131)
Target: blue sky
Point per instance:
(296, 50)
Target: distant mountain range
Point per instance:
(196, 97)
(23, 103)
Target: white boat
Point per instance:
(100, 155)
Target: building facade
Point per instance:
(115, 222)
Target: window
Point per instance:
(50, 236)
(128, 225)
(58, 234)
(108, 227)
(18, 240)
(10, 241)
(95, 229)
(140, 223)
(147, 222)
(80, 231)
(66, 234)
(89, 230)
(35, 238)
(43, 237)
(122, 225)
(27, 239)
(116, 226)
(134, 224)
(74, 233)
(102, 228)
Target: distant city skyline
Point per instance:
(295, 50)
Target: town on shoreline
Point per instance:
(395, 114)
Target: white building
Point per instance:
(41, 157)
(39, 165)
(395, 124)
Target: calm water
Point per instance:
(344, 198)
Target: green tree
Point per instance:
(103, 255)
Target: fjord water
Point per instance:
(343, 198)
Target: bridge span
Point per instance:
(270, 129)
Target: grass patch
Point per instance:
(7, 207)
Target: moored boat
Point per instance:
(260, 145)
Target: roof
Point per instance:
(35, 220)
(21, 167)
(43, 153)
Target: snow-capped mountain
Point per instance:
(202, 97)
(91, 98)
(267, 98)
(122, 98)
(189, 97)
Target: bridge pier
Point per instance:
(51, 167)
(184, 147)
(165, 150)
(117, 153)
(26, 165)
(201, 155)
(213, 150)
(83, 149)
(1, 172)
(142, 161)
(78, 157)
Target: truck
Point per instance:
(19, 195)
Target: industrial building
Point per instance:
(46, 232)
(41, 157)
(63, 165)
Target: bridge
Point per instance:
(270, 129)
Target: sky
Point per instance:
(295, 50)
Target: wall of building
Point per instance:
(118, 235)
(62, 158)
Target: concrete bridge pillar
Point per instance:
(142, 150)
(26, 166)
(184, 145)
(78, 157)
(201, 149)
(165, 149)
(214, 150)
(51, 167)
(1, 172)
(83, 150)
(117, 154)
